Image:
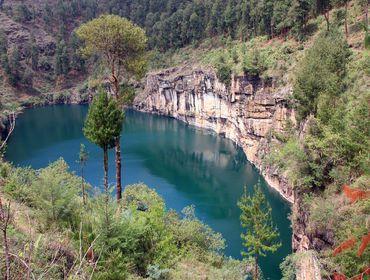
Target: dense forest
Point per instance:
(168, 24)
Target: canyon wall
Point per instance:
(248, 112)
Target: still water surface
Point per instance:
(184, 164)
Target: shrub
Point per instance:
(224, 73)
(18, 184)
(55, 194)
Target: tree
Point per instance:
(34, 55)
(320, 76)
(27, 78)
(77, 61)
(62, 60)
(260, 235)
(15, 66)
(323, 7)
(103, 126)
(83, 157)
(22, 13)
(121, 46)
(3, 42)
(298, 15)
(345, 3)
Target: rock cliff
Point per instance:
(247, 112)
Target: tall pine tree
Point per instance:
(260, 235)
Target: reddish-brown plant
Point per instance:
(364, 242)
(338, 276)
(355, 194)
(350, 243)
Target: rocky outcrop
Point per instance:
(247, 112)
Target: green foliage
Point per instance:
(253, 64)
(224, 74)
(55, 194)
(120, 43)
(260, 236)
(83, 155)
(114, 268)
(22, 13)
(103, 123)
(320, 77)
(367, 41)
(127, 95)
(62, 59)
(149, 238)
(140, 239)
(34, 55)
(18, 183)
(291, 264)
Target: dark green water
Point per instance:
(184, 164)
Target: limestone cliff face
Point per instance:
(247, 112)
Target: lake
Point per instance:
(185, 165)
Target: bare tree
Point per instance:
(4, 223)
(11, 118)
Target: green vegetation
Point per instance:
(331, 98)
(260, 236)
(58, 237)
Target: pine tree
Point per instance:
(260, 235)
(103, 126)
(62, 60)
(15, 66)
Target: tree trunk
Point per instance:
(366, 15)
(327, 19)
(118, 144)
(256, 268)
(83, 186)
(106, 183)
(118, 170)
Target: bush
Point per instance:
(135, 239)
(18, 184)
(224, 73)
(367, 41)
(55, 195)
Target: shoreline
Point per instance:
(272, 182)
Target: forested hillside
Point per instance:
(39, 47)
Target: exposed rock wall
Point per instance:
(247, 112)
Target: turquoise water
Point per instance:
(184, 164)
